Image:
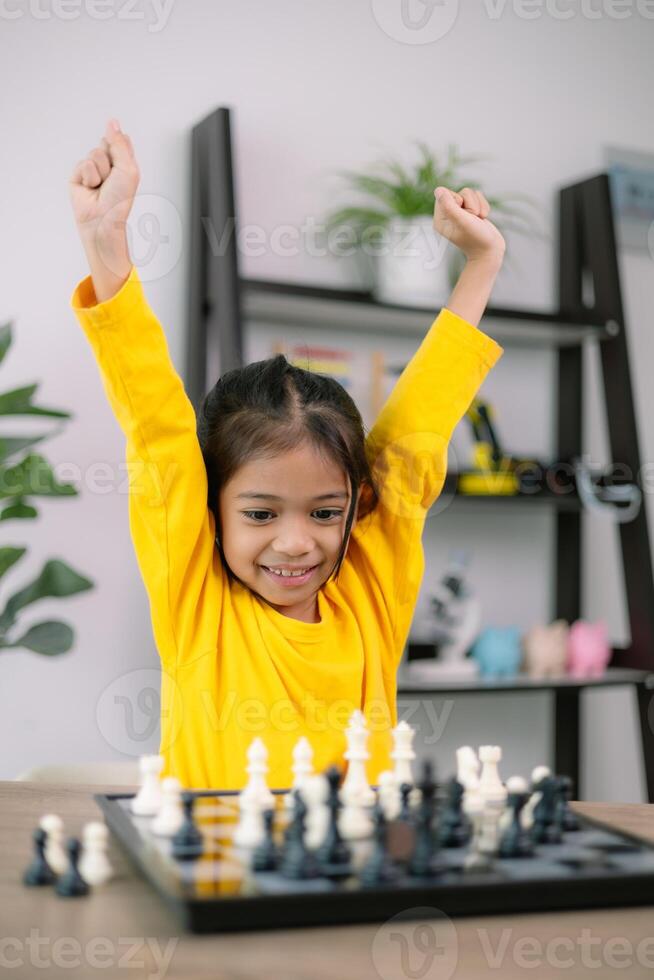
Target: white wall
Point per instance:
(315, 88)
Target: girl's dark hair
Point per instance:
(272, 407)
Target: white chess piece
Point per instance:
(355, 821)
(257, 768)
(315, 794)
(171, 813)
(355, 788)
(54, 846)
(403, 753)
(491, 786)
(302, 768)
(389, 794)
(94, 865)
(527, 815)
(250, 830)
(147, 801)
(467, 765)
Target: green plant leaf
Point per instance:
(19, 402)
(5, 339)
(49, 638)
(9, 557)
(18, 511)
(10, 445)
(33, 476)
(56, 579)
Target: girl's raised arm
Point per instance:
(408, 445)
(171, 525)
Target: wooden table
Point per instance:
(124, 930)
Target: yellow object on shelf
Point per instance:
(489, 482)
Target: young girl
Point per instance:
(280, 547)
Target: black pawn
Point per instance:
(566, 820)
(71, 884)
(334, 856)
(455, 829)
(405, 809)
(187, 843)
(297, 862)
(39, 871)
(545, 829)
(265, 857)
(379, 869)
(516, 842)
(423, 863)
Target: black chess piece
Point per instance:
(334, 857)
(423, 862)
(297, 861)
(516, 841)
(545, 829)
(71, 884)
(266, 856)
(187, 844)
(455, 829)
(566, 820)
(39, 871)
(379, 869)
(405, 809)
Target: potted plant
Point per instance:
(391, 225)
(21, 478)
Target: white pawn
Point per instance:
(54, 846)
(467, 765)
(94, 865)
(257, 768)
(355, 788)
(315, 794)
(147, 801)
(171, 813)
(389, 794)
(491, 786)
(403, 754)
(250, 830)
(302, 768)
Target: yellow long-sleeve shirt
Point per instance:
(234, 668)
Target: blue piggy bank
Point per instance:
(498, 652)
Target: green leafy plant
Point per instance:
(20, 480)
(394, 191)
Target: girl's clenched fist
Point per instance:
(103, 186)
(463, 219)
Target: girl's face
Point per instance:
(288, 512)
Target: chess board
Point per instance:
(218, 892)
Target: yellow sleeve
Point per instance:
(407, 452)
(172, 528)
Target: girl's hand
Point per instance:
(463, 219)
(102, 190)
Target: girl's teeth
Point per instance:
(287, 574)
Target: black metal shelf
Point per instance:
(269, 301)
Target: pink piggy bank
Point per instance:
(589, 650)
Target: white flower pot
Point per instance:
(411, 264)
